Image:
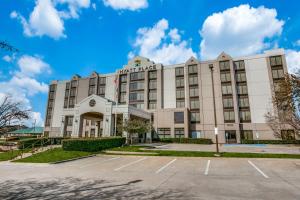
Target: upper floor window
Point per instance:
(226, 89)
(193, 80)
(194, 104)
(92, 89)
(136, 96)
(195, 117)
(101, 90)
(240, 77)
(229, 116)
(69, 120)
(275, 61)
(123, 78)
(92, 81)
(74, 83)
(52, 88)
(102, 80)
(245, 116)
(194, 92)
(228, 103)
(152, 84)
(239, 65)
(179, 117)
(139, 85)
(123, 87)
(224, 65)
(137, 76)
(277, 73)
(180, 103)
(180, 82)
(179, 71)
(193, 69)
(152, 95)
(67, 85)
(180, 93)
(242, 89)
(225, 77)
(152, 74)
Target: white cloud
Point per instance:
(161, 45)
(94, 6)
(24, 84)
(126, 4)
(30, 65)
(7, 58)
(46, 19)
(293, 60)
(297, 43)
(241, 30)
(36, 118)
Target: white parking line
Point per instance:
(261, 172)
(164, 167)
(207, 168)
(134, 162)
(101, 161)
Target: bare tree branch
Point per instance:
(6, 46)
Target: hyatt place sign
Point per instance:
(137, 69)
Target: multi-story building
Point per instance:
(178, 99)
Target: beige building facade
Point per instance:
(182, 100)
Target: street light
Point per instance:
(211, 67)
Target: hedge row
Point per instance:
(31, 142)
(270, 141)
(186, 140)
(92, 145)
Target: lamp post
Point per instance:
(211, 67)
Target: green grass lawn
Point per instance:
(9, 155)
(204, 154)
(54, 155)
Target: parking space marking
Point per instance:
(255, 167)
(207, 168)
(165, 166)
(131, 163)
(101, 161)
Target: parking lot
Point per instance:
(144, 177)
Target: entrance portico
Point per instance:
(95, 116)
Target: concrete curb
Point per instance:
(72, 159)
(130, 152)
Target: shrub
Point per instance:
(92, 145)
(270, 141)
(186, 140)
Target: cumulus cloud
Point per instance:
(297, 43)
(161, 44)
(241, 30)
(46, 19)
(293, 60)
(126, 4)
(7, 58)
(24, 84)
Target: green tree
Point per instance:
(6, 46)
(134, 126)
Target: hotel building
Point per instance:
(180, 100)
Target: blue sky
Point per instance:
(59, 38)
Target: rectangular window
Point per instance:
(275, 61)
(164, 132)
(193, 80)
(74, 83)
(277, 73)
(138, 105)
(195, 117)
(137, 76)
(193, 69)
(67, 85)
(123, 98)
(241, 77)
(65, 103)
(194, 92)
(180, 93)
(228, 103)
(229, 116)
(180, 103)
(179, 71)
(180, 82)
(138, 85)
(226, 89)
(152, 84)
(92, 90)
(67, 93)
(51, 95)
(152, 105)
(123, 78)
(50, 103)
(194, 104)
(92, 81)
(225, 77)
(101, 90)
(243, 102)
(152, 95)
(246, 134)
(102, 80)
(71, 102)
(178, 117)
(52, 88)
(73, 92)
(242, 89)
(136, 96)
(69, 120)
(239, 65)
(245, 116)
(123, 87)
(179, 132)
(224, 65)
(152, 74)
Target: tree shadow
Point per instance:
(75, 188)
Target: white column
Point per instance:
(125, 118)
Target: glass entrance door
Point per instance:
(230, 137)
